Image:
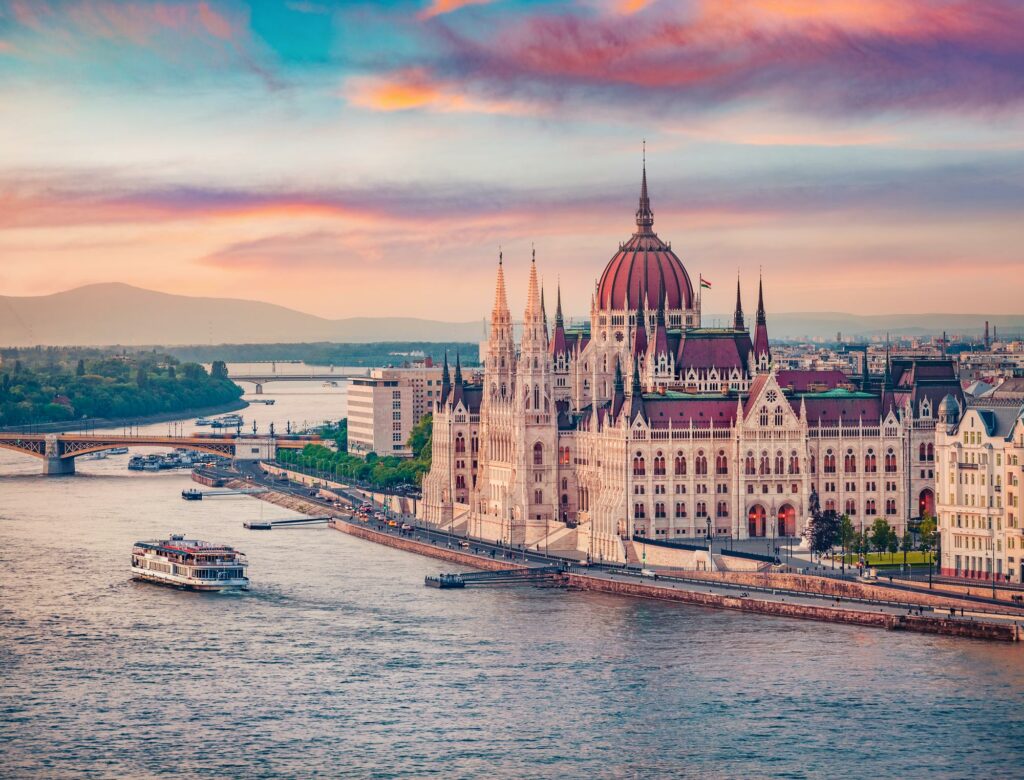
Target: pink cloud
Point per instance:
(439, 7)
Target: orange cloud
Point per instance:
(438, 7)
(415, 88)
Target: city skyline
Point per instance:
(308, 154)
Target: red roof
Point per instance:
(640, 271)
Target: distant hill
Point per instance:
(104, 314)
(107, 314)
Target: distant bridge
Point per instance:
(261, 378)
(59, 450)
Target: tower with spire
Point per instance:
(534, 503)
(762, 352)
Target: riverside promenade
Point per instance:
(940, 615)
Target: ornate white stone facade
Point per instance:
(646, 424)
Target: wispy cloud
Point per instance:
(838, 57)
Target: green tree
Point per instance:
(880, 532)
(219, 369)
(907, 544)
(824, 531)
(847, 535)
(80, 368)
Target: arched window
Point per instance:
(890, 506)
(680, 465)
(814, 464)
(639, 467)
(460, 445)
(702, 509)
(659, 465)
(830, 504)
(639, 512)
(922, 452)
(700, 465)
(723, 509)
(659, 511)
(870, 462)
(778, 415)
(764, 416)
(794, 463)
(829, 465)
(931, 452)
(890, 461)
(780, 463)
(748, 465)
(721, 463)
(851, 507)
(538, 454)
(869, 508)
(536, 397)
(850, 462)
(765, 467)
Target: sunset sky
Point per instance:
(369, 158)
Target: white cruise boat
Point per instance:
(190, 564)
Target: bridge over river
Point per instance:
(59, 450)
(260, 377)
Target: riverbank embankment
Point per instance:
(69, 426)
(892, 616)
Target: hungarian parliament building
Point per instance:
(646, 425)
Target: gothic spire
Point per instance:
(458, 369)
(761, 347)
(737, 320)
(644, 215)
(760, 301)
(558, 307)
(500, 297)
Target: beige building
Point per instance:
(384, 407)
(979, 452)
(644, 425)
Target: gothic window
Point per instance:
(565, 484)
(829, 465)
(870, 462)
(849, 462)
(814, 464)
(764, 416)
(771, 396)
(659, 511)
(780, 463)
(538, 496)
(765, 467)
(680, 509)
(639, 466)
(931, 452)
(748, 465)
(869, 508)
(700, 465)
(723, 509)
(659, 465)
(721, 463)
(890, 506)
(460, 445)
(794, 463)
(565, 499)
(680, 465)
(851, 507)
(830, 504)
(474, 445)
(538, 454)
(922, 452)
(460, 482)
(778, 415)
(702, 509)
(639, 513)
(536, 397)
(890, 461)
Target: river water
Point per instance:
(339, 662)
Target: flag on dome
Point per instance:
(705, 284)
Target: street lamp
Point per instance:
(711, 559)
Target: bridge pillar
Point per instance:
(259, 389)
(58, 466)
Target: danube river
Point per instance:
(339, 662)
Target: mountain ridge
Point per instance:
(135, 316)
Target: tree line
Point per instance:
(55, 384)
(374, 471)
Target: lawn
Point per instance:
(882, 559)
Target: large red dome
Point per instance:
(644, 268)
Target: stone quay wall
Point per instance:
(827, 586)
